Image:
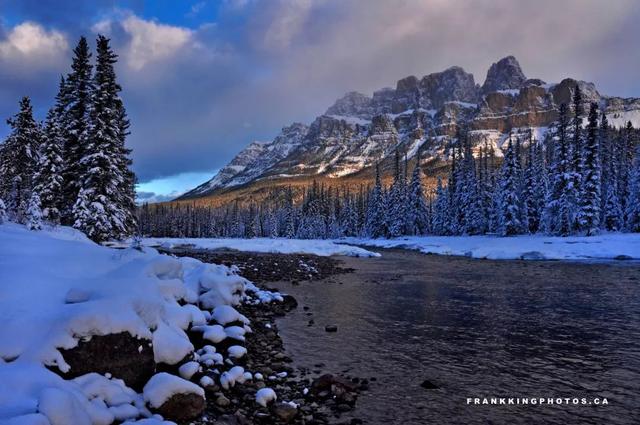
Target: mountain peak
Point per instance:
(505, 74)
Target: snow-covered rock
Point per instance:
(173, 397)
(264, 396)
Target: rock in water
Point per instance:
(428, 385)
(284, 411)
(331, 328)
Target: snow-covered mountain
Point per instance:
(357, 130)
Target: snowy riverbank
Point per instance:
(320, 247)
(61, 296)
(595, 248)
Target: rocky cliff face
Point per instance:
(357, 130)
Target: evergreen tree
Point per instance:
(106, 177)
(397, 202)
(559, 206)
(589, 213)
(375, 221)
(34, 213)
(76, 99)
(440, 224)
(472, 220)
(3, 212)
(417, 212)
(20, 156)
(576, 150)
(509, 188)
(534, 187)
(49, 180)
(633, 203)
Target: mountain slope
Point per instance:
(357, 130)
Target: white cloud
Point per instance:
(287, 21)
(31, 41)
(149, 41)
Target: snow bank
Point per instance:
(536, 247)
(319, 247)
(58, 287)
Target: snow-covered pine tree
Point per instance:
(417, 211)
(20, 156)
(625, 163)
(612, 210)
(77, 105)
(633, 200)
(453, 209)
(510, 198)
(605, 162)
(34, 212)
(559, 212)
(439, 223)
(375, 225)
(470, 201)
(397, 201)
(534, 186)
(104, 165)
(3, 212)
(589, 202)
(577, 149)
(49, 180)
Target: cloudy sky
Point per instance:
(202, 79)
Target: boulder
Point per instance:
(284, 411)
(330, 383)
(182, 407)
(122, 355)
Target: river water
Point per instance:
(476, 329)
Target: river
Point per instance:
(475, 329)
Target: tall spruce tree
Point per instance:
(589, 202)
(397, 201)
(559, 212)
(633, 202)
(76, 97)
(417, 211)
(534, 186)
(376, 225)
(510, 223)
(105, 211)
(19, 160)
(49, 180)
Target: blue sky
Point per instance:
(202, 79)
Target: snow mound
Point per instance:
(162, 386)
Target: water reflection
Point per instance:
(477, 329)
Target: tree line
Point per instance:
(578, 180)
(74, 169)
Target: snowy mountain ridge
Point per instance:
(358, 130)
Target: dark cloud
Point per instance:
(196, 96)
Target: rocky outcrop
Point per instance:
(352, 104)
(505, 74)
(358, 131)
